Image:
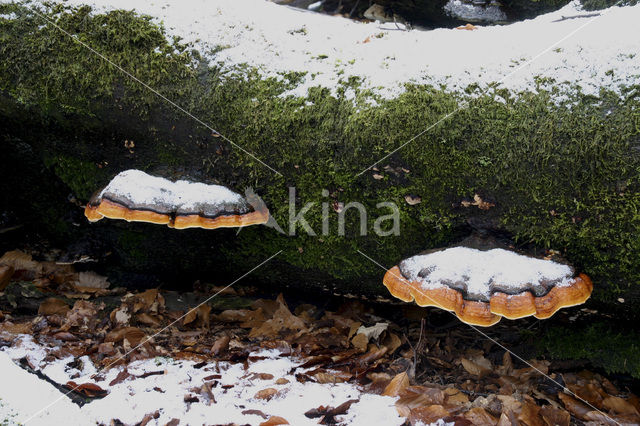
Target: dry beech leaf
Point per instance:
(90, 390)
(428, 414)
(530, 415)
(266, 394)
(575, 407)
(148, 319)
(477, 366)
(360, 342)
(399, 383)
(392, 342)
(274, 421)
(619, 405)
(454, 397)
(418, 396)
(6, 272)
(555, 416)
(220, 345)
(53, 306)
(91, 280)
(479, 417)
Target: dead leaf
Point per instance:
(274, 421)
(575, 407)
(619, 405)
(479, 417)
(399, 383)
(477, 366)
(266, 394)
(198, 317)
(220, 345)
(90, 390)
(373, 332)
(530, 414)
(428, 414)
(121, 377)
(418, 396)
(6, 272)
(555, 416)
(91, 280)
(360, 342)
(53, 306)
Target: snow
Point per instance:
(483, 272)
(140, 190)
(134, 398)
(277, 39)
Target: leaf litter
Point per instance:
(133, 358)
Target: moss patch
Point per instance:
(565, 176)
(604, 346)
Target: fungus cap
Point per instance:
(481, 287)
(135, 196)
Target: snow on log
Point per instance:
(136, 196)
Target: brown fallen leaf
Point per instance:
(220, 345)
(454, 397)
(418, 396)
(555, 416)
(53, 306)
(148, 319)
(574, 406)
(90, 390)
(198, 317)
(399, 383)
(428, 414)
(479, 417)
(121, 377)
(274, 421)
(530, 414)
(266, 394)
(255, 413)
(477, 366)
(282, 381)
(360, 342)
(619, 405)
(6, 272)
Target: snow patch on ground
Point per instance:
(278, 39)
(481, 270)
(23, 394)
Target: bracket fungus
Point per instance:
(482, 286)
(136, 196)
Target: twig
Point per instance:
(565, 18)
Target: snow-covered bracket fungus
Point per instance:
(482, 286)
(135, 196)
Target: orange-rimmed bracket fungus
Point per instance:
(136, 196)
(482, 286)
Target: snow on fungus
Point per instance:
(482, 286)
(136, 196)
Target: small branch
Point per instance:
(565, 18)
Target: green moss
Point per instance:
(561, 176)
(604, 346)
(603, 4)
(82, 177)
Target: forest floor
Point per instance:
(73, 348)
